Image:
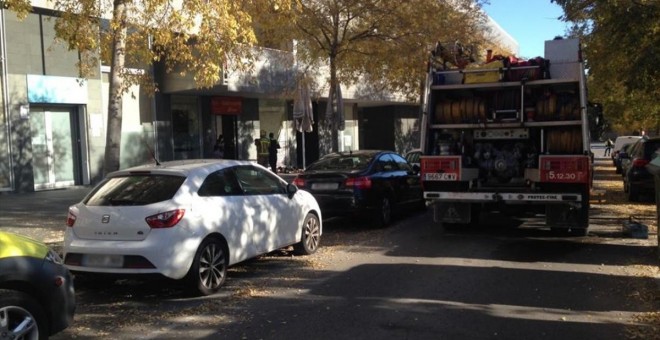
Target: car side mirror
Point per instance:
(291, 189)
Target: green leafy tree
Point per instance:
(195, 36)
(620, 46)
(386, 43)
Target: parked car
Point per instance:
(620, 155)
(188, 220)
(374, 183)
(619, 142)
(37, 297)
(636, 178)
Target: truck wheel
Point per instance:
(582, 224)
(578, 232)
(633, 193)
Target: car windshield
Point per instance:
(342, 162)
(135, 190)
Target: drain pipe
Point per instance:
(5, 97)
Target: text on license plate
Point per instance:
(325, 186)
(104, 261)
(434, 176)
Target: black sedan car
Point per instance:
(620, 155)
(636, 178)
(372, 183)
(36, 290)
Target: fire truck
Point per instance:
(508, 136)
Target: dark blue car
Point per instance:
(636, 178)
(372, 183)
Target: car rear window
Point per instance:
(650, 148)
(135, 190)
(342, 162)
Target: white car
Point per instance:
(188, 220)
(619, 142)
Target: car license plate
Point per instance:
(104, 261)
(434, 176)
(325, 186)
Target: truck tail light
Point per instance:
(166, 219)
(358, 182)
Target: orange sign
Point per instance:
(226, 105)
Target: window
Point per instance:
(220, 183)
(385, 163)
(135, 190)
(401, 163)
(256, 181)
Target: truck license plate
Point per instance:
(440, 176)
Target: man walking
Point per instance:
(272, 152)
(608, 147)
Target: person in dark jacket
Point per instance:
(272, 152)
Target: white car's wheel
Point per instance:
(311, 236)
(21, 317)
(209, 269)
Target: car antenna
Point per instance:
(151, 151)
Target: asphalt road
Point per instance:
(409, 281)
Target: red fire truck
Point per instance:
(509, 136)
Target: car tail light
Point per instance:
(166, 219)
(639, 162)
(358, 182)
(299, 182)
(70, 219)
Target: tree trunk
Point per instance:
(113, 133)
(334, 128)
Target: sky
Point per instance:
(530, 22)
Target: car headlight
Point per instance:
(52, 256)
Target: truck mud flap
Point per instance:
(448, 212)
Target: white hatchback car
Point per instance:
(188, 220)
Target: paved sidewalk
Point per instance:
(41, 214)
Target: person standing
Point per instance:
(219, 147)
(608, 147)
(272, 152)
(262, 144)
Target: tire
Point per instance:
(311, 236)
(633, 193)
(209, 268)
(383, 215)
(16, 308)
(578, 232)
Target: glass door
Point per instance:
(52, 148)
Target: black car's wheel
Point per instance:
(21, 316)
(383, 215)
(209, 269)
(311, 236)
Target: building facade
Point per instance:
(53, 124)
